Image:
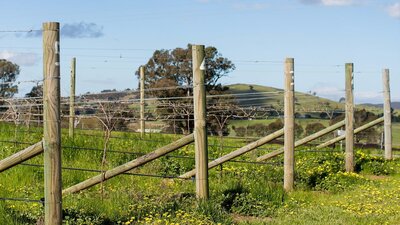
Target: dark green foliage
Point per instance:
(8, 75)
(37, 91)
(373, 164)
(313, 128)
(310, 171)
(337, 182)
(362, 117)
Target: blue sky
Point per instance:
(110, 39)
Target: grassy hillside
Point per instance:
(258, 95)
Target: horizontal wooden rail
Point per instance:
(303, 141)
(357, 130)
(21, 156)
(237, 152)
(130, 165)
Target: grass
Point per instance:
(396, 135)
(376, 202)
(240, 193)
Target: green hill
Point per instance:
(263, 96)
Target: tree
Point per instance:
(8, 74)
(168, 68)
(37, 91)
(169, 74)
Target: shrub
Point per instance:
(312, 169)
(313, 128)
(340, 181)
(373, 164)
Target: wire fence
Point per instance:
(104, 120)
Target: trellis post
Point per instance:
(200, 129)
(52, 124)
(288, 179)
(387, 114)
(72, 99)
(349, 117)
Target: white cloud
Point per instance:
(334, 93)
(337, 2)
(368, 97)
(73, 30)
(394, 10)
(20, 58)
(333, 2)
(327, 91)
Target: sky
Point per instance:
(111, 39)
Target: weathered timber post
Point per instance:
(51, 125)
(288, 179)
(387, 114)
(349, 118)
(72, 99)
(200, 129)
(142, 125)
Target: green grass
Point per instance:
(240, 193)
(396, 134)
(376, 202)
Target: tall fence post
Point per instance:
(200, 129)
(387, 114)
(142, 125)
(349, 118)
(72, 99)
(52, 126)
(288, 180)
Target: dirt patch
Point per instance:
(250, 219)
(376, 177)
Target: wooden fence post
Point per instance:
(288, 179)
(200, 129)
(387, 114)
(349, 118)
(142, 125)
(72, 99)
(51, 126)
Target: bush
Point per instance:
(313, 128)
(259, 199)
(311, 170)
(373, 164)
(340, 181)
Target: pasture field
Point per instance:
(241, 192)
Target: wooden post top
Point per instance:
(51, 26)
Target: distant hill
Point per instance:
(395, 105)
(264, 96)
(253, 95)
